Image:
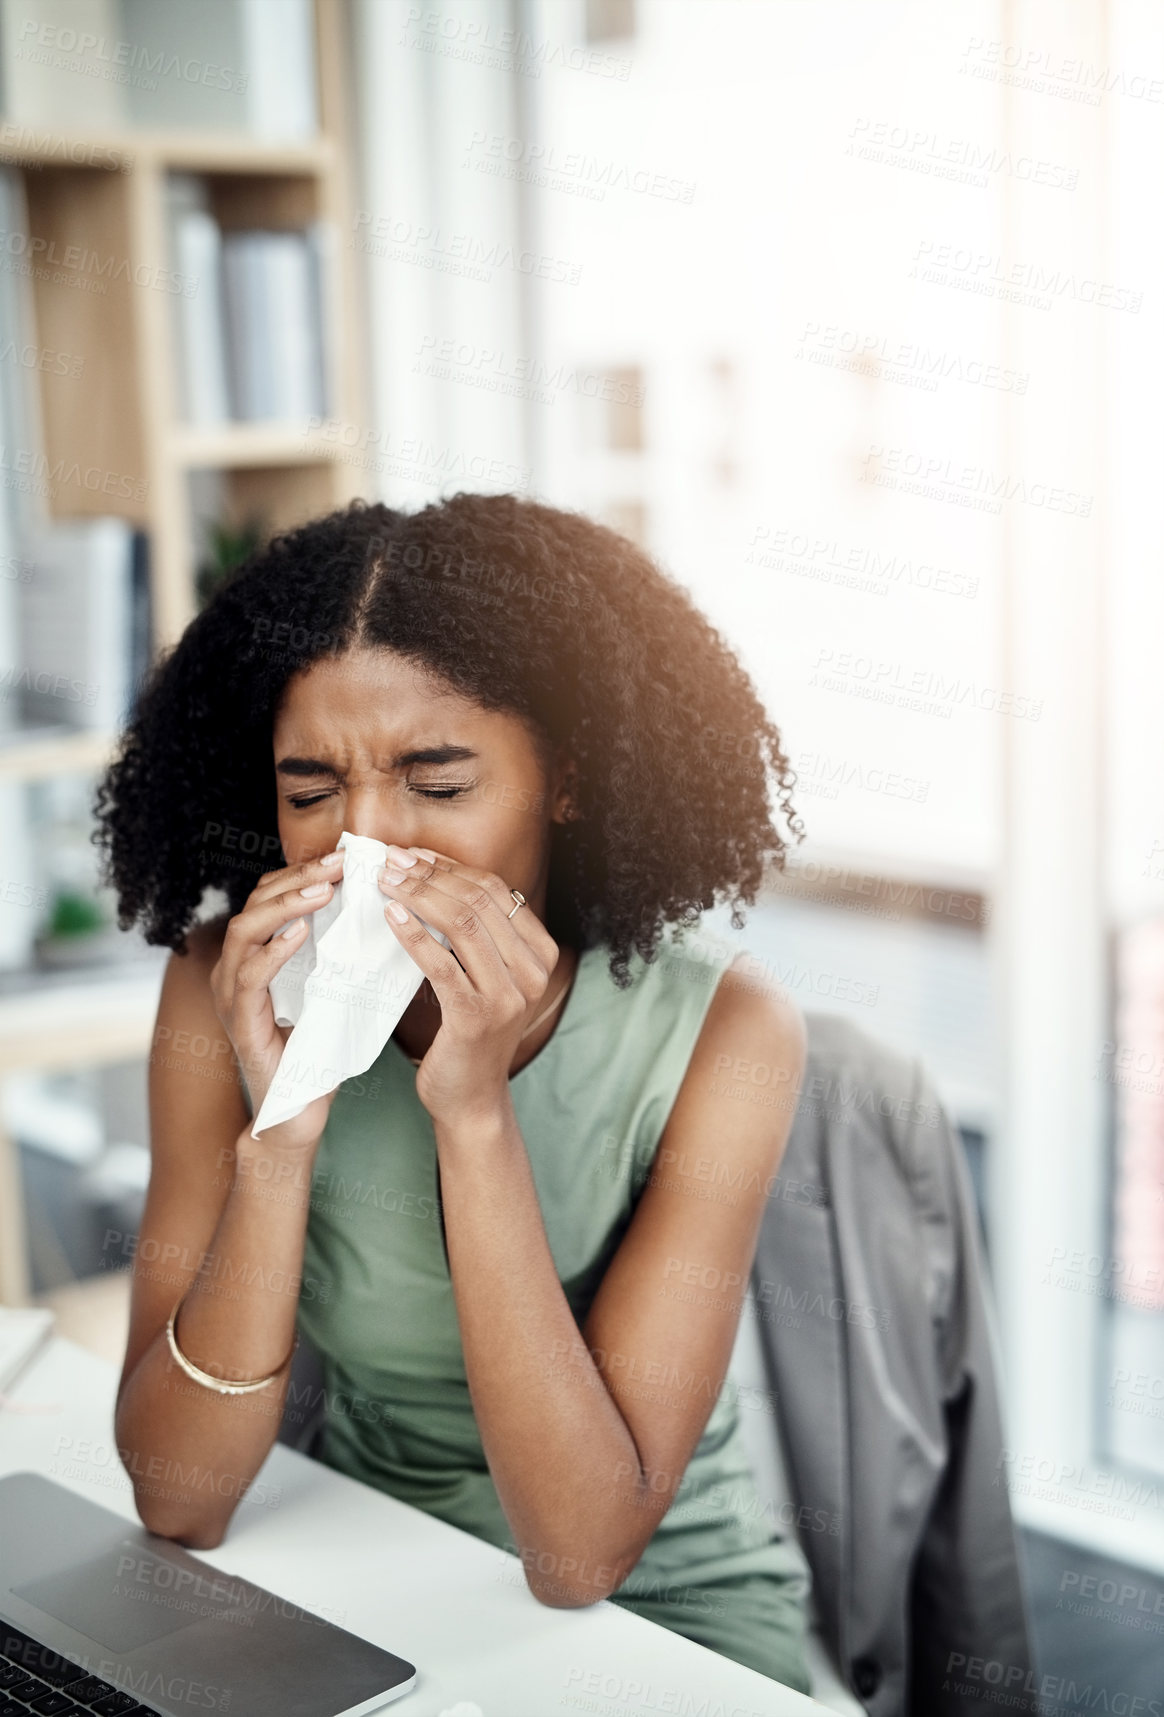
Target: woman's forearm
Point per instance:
(552, 1433)
(191, 1451)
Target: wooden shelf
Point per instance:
(115, 436)
(95, 1018)
(63, 754)
(235, 446)
(24, 145)
(98, 199)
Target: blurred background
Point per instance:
(851, 314)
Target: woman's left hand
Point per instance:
(486, 999)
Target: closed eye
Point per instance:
(302, 804)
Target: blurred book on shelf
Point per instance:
(200, 337)
(273, 324)
(248, 323)
(74, 593)
(22, 497)
(238, 65)
(84, 624)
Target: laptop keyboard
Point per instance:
(33, 1678)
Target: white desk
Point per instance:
(455, 1606)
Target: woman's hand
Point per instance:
(488, 998)
(252, 952)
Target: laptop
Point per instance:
(99, 1618)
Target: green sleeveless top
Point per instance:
(377, 1298)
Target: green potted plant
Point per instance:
(229, 546)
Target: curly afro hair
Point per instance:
(519, 606)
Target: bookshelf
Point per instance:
(105, 192)
(119, 425)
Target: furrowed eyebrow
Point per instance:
(314, 766)
(305, 766)
(435, 754)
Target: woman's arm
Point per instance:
(587, 1434)
(190, 1451)
(223, 1229)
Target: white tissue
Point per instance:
(343, 989)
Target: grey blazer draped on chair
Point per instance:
(879, 1345)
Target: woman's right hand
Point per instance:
(252, 952)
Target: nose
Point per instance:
(385, 813)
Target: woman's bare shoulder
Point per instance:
(204, 941)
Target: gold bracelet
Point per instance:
(216, 1383)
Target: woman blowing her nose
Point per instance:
(483, 1235)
